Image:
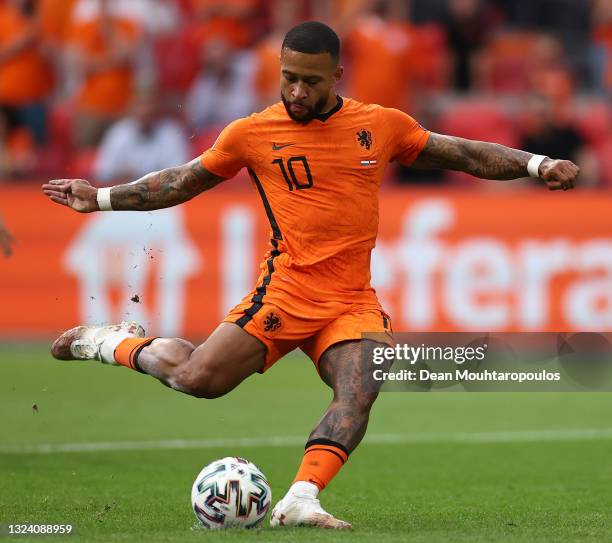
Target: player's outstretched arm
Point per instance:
(156, 190)
(492, 161)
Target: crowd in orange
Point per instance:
(71, 68)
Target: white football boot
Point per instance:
(89, 342)
(300, 507)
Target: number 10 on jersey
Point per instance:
(295, 163)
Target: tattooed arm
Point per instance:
(491, 161)
(156, 190)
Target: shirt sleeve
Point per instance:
(229, 154)
(405, 136)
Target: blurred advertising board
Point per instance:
(445, 261)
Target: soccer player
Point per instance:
(316, 160)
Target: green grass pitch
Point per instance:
(455, 468)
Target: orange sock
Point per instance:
(127, 351)
(323, 458)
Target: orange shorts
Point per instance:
(283, 322)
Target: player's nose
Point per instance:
(298, 91)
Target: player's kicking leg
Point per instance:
(347, 369)
(211, 370)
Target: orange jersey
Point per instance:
(109, 91)
(382, 55)
(25, 77)
(319, 185)
(55, 19)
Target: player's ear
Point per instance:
(338, 73)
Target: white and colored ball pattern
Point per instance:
(230, 493)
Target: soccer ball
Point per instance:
(230, 493)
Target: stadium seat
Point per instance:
(594, 121)
(481, 121)
(431, 57)
(176, 61)
(60, 126)
(507, 62)
(52, 159)
(478, 120)
(186, 7)
(81, 164)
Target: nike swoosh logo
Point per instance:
(276, 147)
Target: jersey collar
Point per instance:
(324, 116)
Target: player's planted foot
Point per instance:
(300, 507)
(94, 342)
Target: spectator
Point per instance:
(340, 14)
(224, 89)
(17, 149)
(549, 132)
(568, 20)
(26, 79)
(466, 29)
(146, 141)
(284, 16)
(102, 53)
(234, 20)
(380, 46)
(516, 62)
(155, 18)
(551, 76)
(55, 16)
(152, 16)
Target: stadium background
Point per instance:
(454, 252)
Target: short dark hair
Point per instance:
(313, 37)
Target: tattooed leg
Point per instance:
(347, 368)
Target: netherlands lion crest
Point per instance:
(272, 322)
(364, 137)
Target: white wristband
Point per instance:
(104, 199)
(533, 166)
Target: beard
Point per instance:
(311, 112)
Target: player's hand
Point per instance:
(6, 240)
(77, 194)
(559, 174)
